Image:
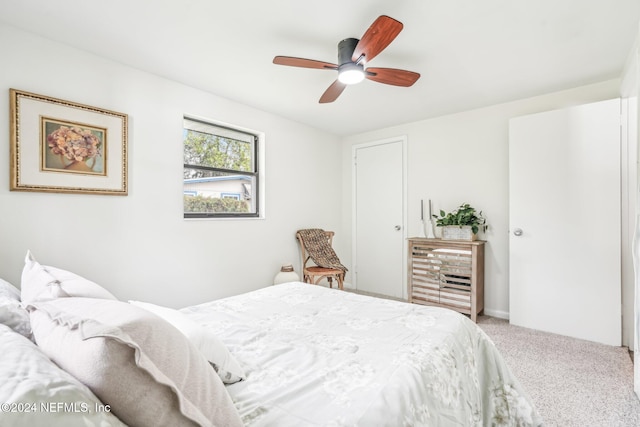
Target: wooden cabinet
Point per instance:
(447, 273)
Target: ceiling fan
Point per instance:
(353, 54)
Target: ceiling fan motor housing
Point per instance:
(345, 50)
(349, 72)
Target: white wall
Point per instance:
(464, 158)
(139, 246)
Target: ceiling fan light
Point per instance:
(351, 75)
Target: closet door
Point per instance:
(564, 216)
(379, 217)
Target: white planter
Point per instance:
(286, 274)
(456, 232)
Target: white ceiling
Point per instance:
(470, 53)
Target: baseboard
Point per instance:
(348, 285)
(497, 313)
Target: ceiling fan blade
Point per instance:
(392, 76)
(376, 38)
(333, 92)
(304, 63)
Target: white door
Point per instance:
(564, 220)
(379, 236)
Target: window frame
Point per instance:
(255, 175)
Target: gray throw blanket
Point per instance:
(319, 250)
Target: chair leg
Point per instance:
(330, 279)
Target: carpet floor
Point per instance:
(572, 382)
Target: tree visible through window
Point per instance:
(220, 171)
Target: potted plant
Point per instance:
(464, 223)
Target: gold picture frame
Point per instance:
(65, 147)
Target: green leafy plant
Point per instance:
(199, 204)
(463, 215)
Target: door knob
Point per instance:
(397, 227)
(517, 232)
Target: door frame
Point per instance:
(354, 187)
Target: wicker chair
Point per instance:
(313, 273)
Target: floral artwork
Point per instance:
(72, 148)
(61, 146)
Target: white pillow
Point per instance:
(204, 340)
(42, 283)
(145, 369)
(8, 291)
(12, 313)
(34, 388)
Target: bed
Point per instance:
(292, 354)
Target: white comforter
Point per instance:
(321, 357)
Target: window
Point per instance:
(220, 171)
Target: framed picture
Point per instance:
(64, 147)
